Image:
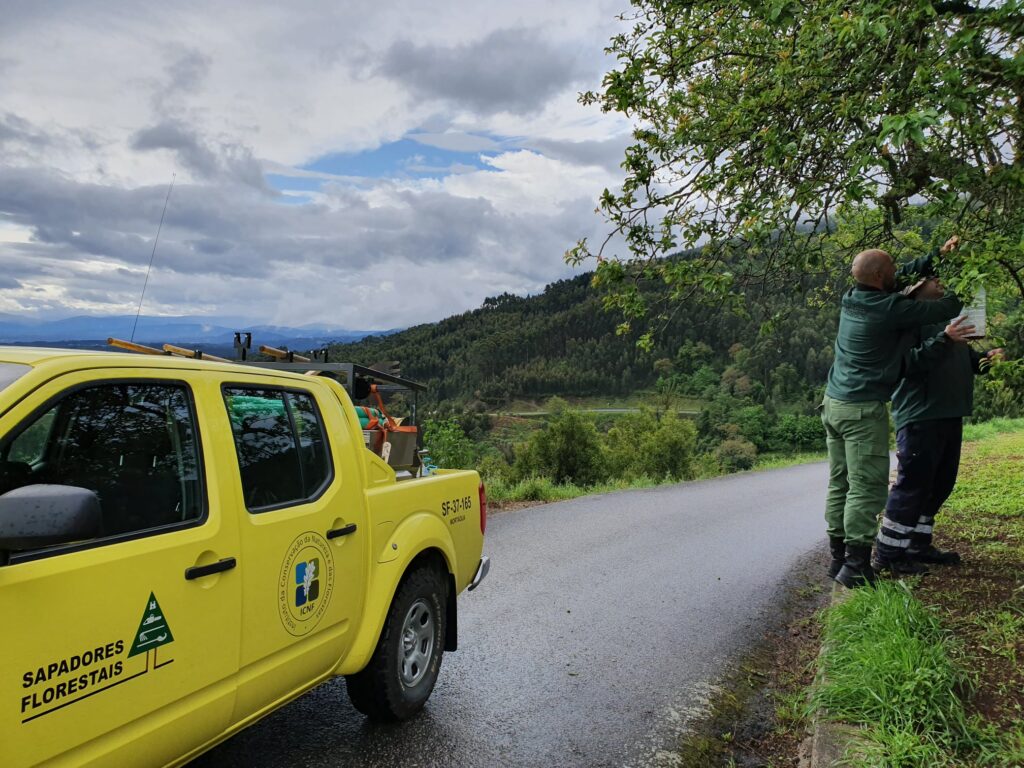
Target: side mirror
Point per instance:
(40, 515)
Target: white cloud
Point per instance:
(99, 104)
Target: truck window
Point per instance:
(29, 446)
(282, 453)
(133, 443)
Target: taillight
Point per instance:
(483, 509)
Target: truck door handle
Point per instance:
(197, 571)
(345, 530)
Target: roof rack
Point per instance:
(354, 377)
(346, 373)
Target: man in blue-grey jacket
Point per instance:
(928, 410)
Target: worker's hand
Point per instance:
(949, 245)
(996, 355)
(957, 331)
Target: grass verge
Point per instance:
(780, 460)
(542, 489)
(889, 667)
(930, 669)
(991, 428)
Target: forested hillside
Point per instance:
(753, 376)
(562, 342)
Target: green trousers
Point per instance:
(857, 435)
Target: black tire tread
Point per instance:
(374, 691)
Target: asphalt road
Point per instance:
(595, 640)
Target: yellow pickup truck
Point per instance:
(186, 546)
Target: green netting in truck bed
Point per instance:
(243, 406)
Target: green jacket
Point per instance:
(871, 341)
(939, 378)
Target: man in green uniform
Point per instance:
(867, 365)
(928, 408)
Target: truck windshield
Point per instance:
(11, 372)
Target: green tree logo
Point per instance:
(153, 630)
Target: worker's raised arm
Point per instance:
(904, 312)
(924, 266)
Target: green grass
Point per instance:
(544, 489)
(780, 460)
(990, 481)
(889, 667)
(991, 428)
(999, 632)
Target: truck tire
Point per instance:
(403, 669)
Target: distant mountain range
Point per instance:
(88, 331)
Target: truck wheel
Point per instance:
(403, 669)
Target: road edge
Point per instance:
(830, 743)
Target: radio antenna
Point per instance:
(152, 256)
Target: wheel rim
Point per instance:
(417, 642)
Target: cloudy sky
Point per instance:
(362, 165)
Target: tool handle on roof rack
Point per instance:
(195, 354)
(131, 346)
(281, 354)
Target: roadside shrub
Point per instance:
(1000, 393)
(641, 445)
(706, 465)
(447, 444)
(736, 454)
(493, 466)
(669, 451)
(568, 450)
(717, 420)
(498, 490)
(755, 424)
(621, 443)
(535, 489)
(797, 432)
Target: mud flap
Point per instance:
(451, 636)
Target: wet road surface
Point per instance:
(594, 641)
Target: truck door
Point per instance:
(303, 531)
(118, 646)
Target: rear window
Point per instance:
(11, 372)
(282, 452)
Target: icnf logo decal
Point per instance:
(308, 588)
(306, 583)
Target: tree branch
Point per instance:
(1014, 273)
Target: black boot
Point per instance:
(856, 571)
(898, 565)
(837, 547)
(932, 554)
(923, 550)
